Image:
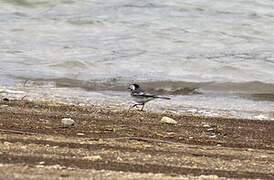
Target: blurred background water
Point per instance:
(210, 55)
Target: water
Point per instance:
(211, 57)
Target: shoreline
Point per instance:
(208, 105)
(133, 142)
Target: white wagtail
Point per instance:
(140, 96)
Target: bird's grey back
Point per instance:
(138, 91)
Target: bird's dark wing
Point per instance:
(139, 91)
(142, 94)
(149, 96)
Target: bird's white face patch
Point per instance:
(132, 87)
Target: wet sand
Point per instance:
(107, 143)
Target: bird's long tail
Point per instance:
(162, 97)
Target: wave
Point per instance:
(256, 89)
(260, 97)
(71, 64)
(159, 87)
(251, 87)
(25, 3)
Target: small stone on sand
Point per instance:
(210, 129)
(212, 136)
(206, 125)
(80, 134)
(168, 120)
(93, 158)
(67, 122)
(6, 99)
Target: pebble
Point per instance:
(93, 158)
(208, 177)
(210, 129)
(168, 120)
(206, 125)
(80, 134)
(67, 122)
(56, 166)
(6, 99)
(7, 143)
(4, 106)
(119, 158)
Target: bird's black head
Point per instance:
(133, 87)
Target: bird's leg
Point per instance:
(143, 105)
(132, 106)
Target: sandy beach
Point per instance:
(70, 61)
(107, 143)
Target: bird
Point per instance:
(140, 97)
